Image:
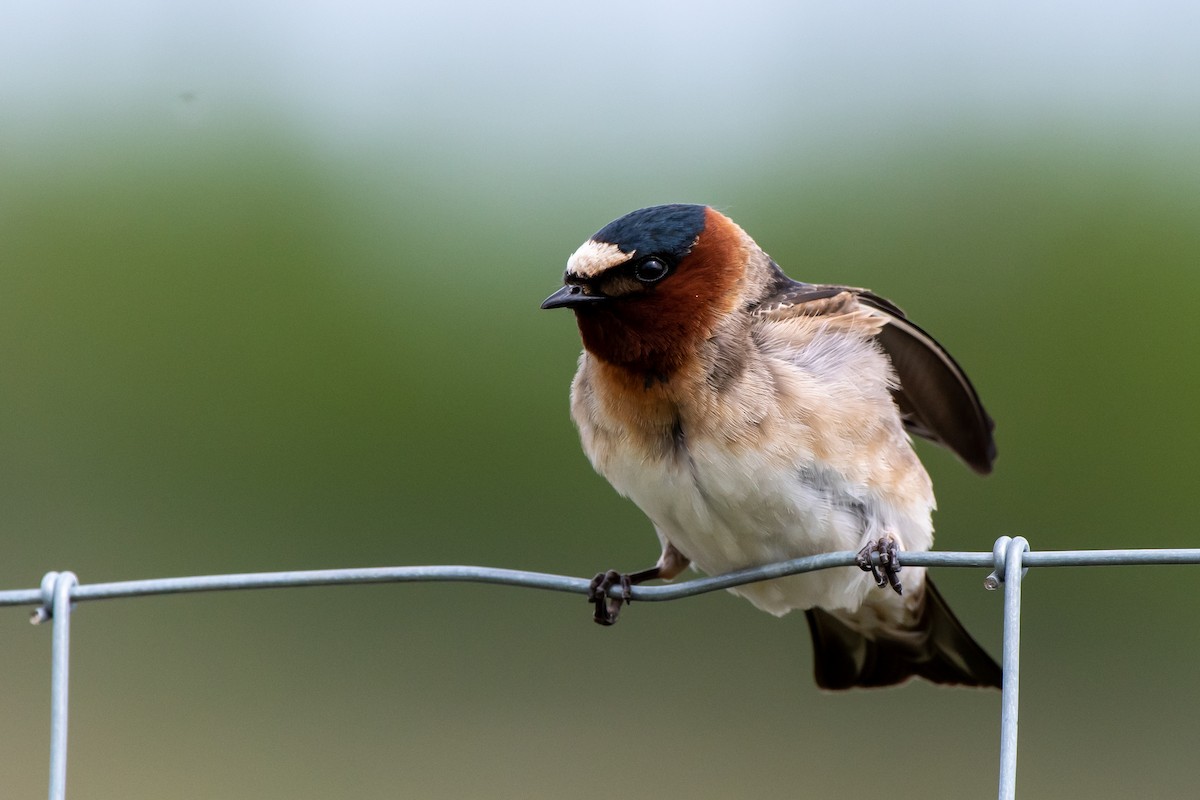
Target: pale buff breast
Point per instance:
(774, 466)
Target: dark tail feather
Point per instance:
(942, 651)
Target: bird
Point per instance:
(754, 418)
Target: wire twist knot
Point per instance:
(1005, 548)
(56, 589)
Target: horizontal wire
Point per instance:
(563, 583)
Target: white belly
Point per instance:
(727, 509)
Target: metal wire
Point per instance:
(56, 589)
(1014, 552)
(1010, 559)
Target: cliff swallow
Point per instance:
(754, 418)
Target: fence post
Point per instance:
(56, 599)
(1013, 551)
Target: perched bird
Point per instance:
(754, 418)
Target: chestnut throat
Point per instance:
(626, 340)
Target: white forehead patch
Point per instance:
(593, 257)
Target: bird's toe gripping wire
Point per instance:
(885, 567)
(608, 607)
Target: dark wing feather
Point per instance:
(934, 395)
(937, 648)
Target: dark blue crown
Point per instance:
(662, 230)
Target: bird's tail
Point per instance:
(937, 649)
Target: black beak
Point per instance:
(571, 296)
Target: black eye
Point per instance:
(650, 270)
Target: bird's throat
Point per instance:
(653, 350)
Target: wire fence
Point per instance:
(1009, 560)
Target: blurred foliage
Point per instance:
(240, 353)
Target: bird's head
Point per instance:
(648, 288)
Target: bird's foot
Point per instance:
(887, 572)
(608, 607)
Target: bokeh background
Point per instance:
(269, 277)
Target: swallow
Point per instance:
(754, 418)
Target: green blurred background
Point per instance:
(269, 281)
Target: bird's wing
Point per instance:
(934, 395)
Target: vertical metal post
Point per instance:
(1010, 692)
(59, 605)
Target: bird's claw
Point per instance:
(608, 607)
(887, 572)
